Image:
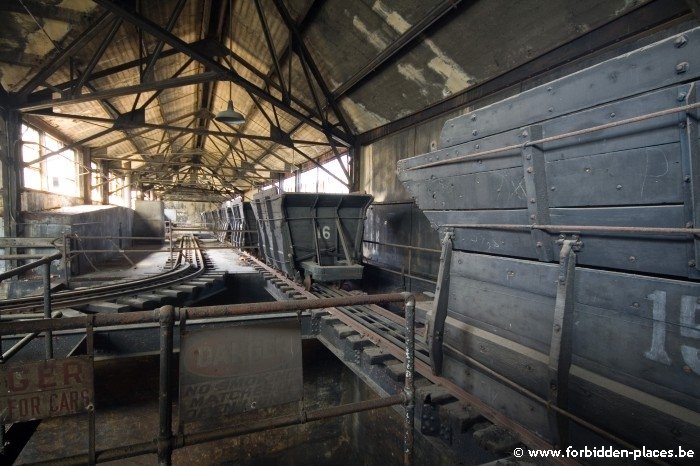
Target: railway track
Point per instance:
(370, 340)
(190, 273)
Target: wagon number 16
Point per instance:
(325, 232)
(688, 328)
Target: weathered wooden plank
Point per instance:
(657, 131)
(643, 253)
(648, 324)
(643, 176)
(526, 412)
(523, 317)
(642, 70)
(500, 189)
(644, 419)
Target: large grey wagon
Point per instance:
(318, 236)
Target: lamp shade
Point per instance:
(230, 116)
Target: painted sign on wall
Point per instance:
(41, 389)
(237, 369)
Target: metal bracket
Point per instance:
(560, 346)
(690, 163)
(536, 190)
(436, 320)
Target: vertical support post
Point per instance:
(536, 190)
(409, 387)
(436, 320)
(48, 337)
(2, 426)
(165, 401)
(170, 240)
(690, 164)
(355, 167)
(90, 341)
(560, 345)
(66, 261)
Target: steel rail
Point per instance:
(558, 137)
(526, 436)
(106, 292)
(579, 228)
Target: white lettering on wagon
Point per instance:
(688, 329)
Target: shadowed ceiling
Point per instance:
(139, 82)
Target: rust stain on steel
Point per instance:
(41, 389)
(237, 369)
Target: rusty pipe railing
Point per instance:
(166, 441)
(30, 266)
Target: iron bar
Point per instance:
(143, 317)
(388, 53)
(165, 401)
(48, 337)
(409, 387)
(97, 54)
(64, 54)
(143, 448)
(402, 246)
(558, 137)
(14, 349)
(230, 74)
(118, 92)
(579, 228)
(30, 266)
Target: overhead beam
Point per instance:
(304, 52)
(390, 52)
(87, 35)
(129, 124)
(175, 42)
(119, 92)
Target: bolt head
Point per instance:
(524, 134)
(682, 96)
(691, 263)
(686, 178)
(618, 187)
(612, 115)
(529, 169)
(680, 41)
(475, 132)
(473, 117)
(682, 67)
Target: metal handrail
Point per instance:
(30, 266)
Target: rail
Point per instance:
(166, 440)
(182, 270)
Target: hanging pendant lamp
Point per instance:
(230, 116)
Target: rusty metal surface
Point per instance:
(37, 390)
(237, 369)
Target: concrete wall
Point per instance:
(393, 217)
(35, 201)
(149, 219)
(83, 221)
(189, 211)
